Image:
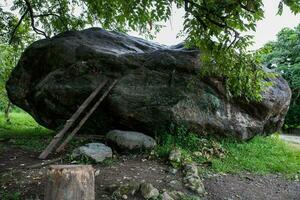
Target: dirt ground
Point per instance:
(16, 178)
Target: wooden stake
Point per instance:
(43, 164)
(61, 147)
(70, 122)
(70, 182)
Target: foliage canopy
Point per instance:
(214, 26)
(9, 55)
(284, 55)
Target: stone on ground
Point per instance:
(126, 190)
(176, 195)
(130, 140)
(192, 179)
(175, 157)
(96, 151)
(166, 196)
(148, 191)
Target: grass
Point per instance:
(24, 132)
(10, 196)
(261, 155)
(21, 125)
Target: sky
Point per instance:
(266, 29)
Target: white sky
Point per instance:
(266, 29)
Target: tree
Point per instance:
(10, 51)
(214, 26)
(284, 56)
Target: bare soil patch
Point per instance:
(29, 184)
(250, 187)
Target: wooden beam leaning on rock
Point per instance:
(70, 122)
(86, 117)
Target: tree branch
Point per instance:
(55, 15)
(245, 7)
(207, 15)
(17, 26)
(38, 31)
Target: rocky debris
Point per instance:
(166, 196)
(172, 170)
(133, 190)
(158, 85)
(175, 156)
(125, 191)
(129, 140)
(174, 184)
(192, 179)
(96, 151)
(148, 191)
(176, 195)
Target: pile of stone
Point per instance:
(127, 141)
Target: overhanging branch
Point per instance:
(17, 26)
(31, 14)
(207, 15)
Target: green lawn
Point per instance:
(21, 125)
(23, 131)
(259, 155)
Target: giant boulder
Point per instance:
(158, 85)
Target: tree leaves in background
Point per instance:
(284, 56)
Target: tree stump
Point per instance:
(70, 182)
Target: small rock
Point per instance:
(12, 141)
(191, 170)
(97, 172)
(175, 156)
(174, 184)
(166, 196)
(176, 195)
(96, 151)
(197, 154)
(173, 171)
(124, 191)
(148, 191)
(192, 179)
(130, 140)
(296, 178)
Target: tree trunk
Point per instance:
(6, 112)
(70, 182)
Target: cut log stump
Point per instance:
(70, 182)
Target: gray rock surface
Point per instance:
(175, 157)
(96, 151)
(166, 196)
(148, 191)
(177, 195)
(192, 179)
(158, 85)
(130, 140)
